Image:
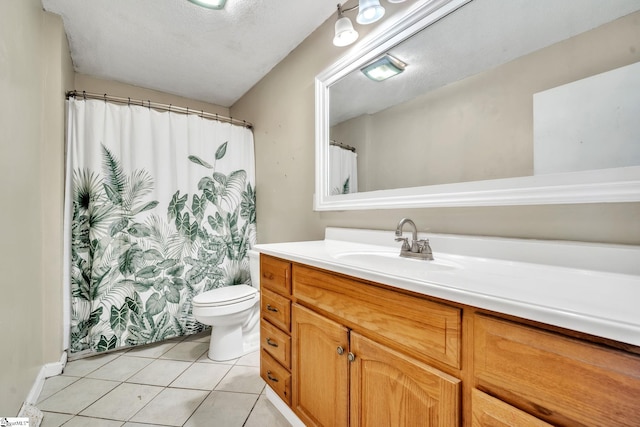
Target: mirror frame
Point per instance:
(594, 186)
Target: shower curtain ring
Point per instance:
(84, 94)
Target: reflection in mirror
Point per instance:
(463, 109)
(593, 123)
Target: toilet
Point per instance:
(234, 314)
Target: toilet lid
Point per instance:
(225, 296)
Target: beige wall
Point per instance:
(282, 108)
(35, 68)
(96, 85)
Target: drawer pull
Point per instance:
(351, 357)
(270, 308)
(271, 377)
(340, 350)
(272, 343)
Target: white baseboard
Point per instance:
(282, 407)
(47, 370)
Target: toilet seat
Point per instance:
(227, 295)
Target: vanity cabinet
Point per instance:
(352, 354)
(275, 325)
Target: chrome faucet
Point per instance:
(419, 249)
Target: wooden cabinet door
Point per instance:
(319, 372)
(391, 389)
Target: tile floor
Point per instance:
(172, 383)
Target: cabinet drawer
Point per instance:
(276, 309)
(414, 325)
(275, 274)
(277, 377)
(276, 343)
(558, 379)
(491, 412)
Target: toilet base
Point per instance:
(228, 343)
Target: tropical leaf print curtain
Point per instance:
(161, 208)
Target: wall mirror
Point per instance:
(471, 119)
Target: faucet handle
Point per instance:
(405, 243)
(425, 248)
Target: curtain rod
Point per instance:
(157, 106)
(342, 145)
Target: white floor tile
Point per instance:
(120, 369)
(122, 402)
(142, 425)
(223, 409)
(152, 350)
(205, 359)
(187, 351)
(160, 372)
(79, 421)
(264, 414)
(204, 336)
(242, 379)
(52, 419)
(171, 407)
(251, 359)
(203, 376)
(77, 396)
(81, 367)
(163, 384)
(55, 384)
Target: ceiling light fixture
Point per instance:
(369, 11)
(383, 68)
(210, 4)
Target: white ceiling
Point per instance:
(177, 47)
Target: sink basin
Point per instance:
(392, 263)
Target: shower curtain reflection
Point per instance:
(161, 207)
(343, 169)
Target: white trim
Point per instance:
(283, 408)
(598, 186)
(46, 371)
(66, 251)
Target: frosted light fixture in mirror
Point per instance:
(507, 178)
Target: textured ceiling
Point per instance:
(177, 47)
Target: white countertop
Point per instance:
(584, 287)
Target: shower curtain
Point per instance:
(343, 170)
(160, 207)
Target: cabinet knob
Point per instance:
(270, 308)
(271, 377)
(340, 350)
(272, 343)
(351, 357)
